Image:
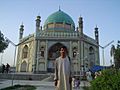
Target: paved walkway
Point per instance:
(41, 85)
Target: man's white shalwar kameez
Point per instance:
(63, 73)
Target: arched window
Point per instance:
(42, 49)
(91, 50)
(74, 52)
(92, 56)
(25, 52)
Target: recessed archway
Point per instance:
(92, 56)
(53, 53)
(23, 66)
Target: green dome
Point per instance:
(59, 17)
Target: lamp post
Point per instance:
(103, 51)
(14, 57)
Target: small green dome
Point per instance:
(59, 17)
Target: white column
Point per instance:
(78, 55)
(38, 56)
(70, 48)
(46, 55)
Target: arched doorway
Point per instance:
(92, 56)
(23, 67)
(53, 53)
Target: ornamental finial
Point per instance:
(59, 8)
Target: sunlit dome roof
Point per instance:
(59, 17)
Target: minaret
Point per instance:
(38, 23)
(97, 41)
(97, 35)
(80, 22)
(36, 43)
(80, 30)
(21, 32)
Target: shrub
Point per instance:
(109, 80)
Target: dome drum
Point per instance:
(58, 26)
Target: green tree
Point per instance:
(3, 43)
(115, 53)
(117, 56)
(108, 80)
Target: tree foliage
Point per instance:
(109, 80)
(117, 58)
(3, 43)
(115, 53)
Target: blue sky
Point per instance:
(103, 13)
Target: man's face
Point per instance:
(63, 52)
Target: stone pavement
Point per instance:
(41, 85)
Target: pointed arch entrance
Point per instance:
(92, 56)
(53, 53)
(23, 66)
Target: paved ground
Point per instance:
(41, 85)
(53, 88)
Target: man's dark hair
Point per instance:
(64, 47)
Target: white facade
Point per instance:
(37, 52)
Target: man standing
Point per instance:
(3, 68)
(63, 75)
(7, 68)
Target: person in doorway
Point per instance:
(89, 75)
(63, 71)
